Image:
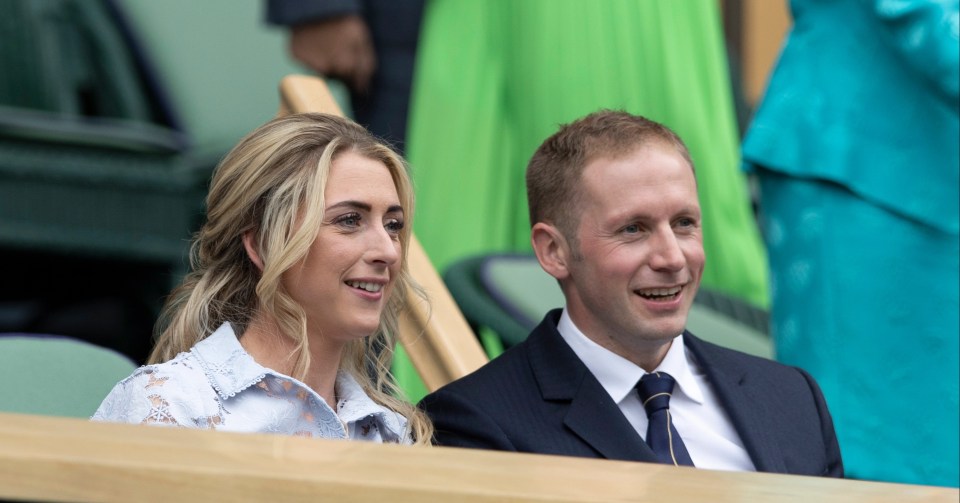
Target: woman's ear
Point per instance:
(249, 244)
(552, 249)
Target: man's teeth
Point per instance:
(660, 292)
(363, 285)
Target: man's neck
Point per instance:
(646, 354)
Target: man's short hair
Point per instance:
(554, 172)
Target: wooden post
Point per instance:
(435, 334)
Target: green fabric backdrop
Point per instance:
(495, 78)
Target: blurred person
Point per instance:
(298, 276)
(369, 45)
(495, 77)
(615, 218)
(857, 151)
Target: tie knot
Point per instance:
(654, 390)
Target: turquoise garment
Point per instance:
(857, 141)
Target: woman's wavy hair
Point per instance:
(272, 184)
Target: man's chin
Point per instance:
(668, 329)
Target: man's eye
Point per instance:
(631, 229)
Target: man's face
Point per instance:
(631, 280)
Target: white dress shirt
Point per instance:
(704, 425)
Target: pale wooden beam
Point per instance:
(765, 26)
(437, 337)
(59, 459)
(302, 93)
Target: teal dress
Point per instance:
(856, 146)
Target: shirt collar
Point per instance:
(229, 368)
(678, 363)
(354, 404)
(618, 375)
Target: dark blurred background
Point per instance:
(112, 115)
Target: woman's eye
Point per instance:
(348, 220)
(394, 226)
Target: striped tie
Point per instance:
(654, 390)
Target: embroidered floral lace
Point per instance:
(218, 385)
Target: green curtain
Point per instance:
(494, 78)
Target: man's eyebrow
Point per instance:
(646, 217)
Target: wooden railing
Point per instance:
(59, 459)
(435, 334)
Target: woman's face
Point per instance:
(346, 278)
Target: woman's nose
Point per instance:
(384, 247)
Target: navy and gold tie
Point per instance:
(654, 390)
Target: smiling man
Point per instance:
(615, 218)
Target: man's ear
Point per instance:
(552, 249)
(249, 245)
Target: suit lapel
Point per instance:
(735, 387)
(592, 415)
(596, 419)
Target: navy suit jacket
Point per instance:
(539, 397)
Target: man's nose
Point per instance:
(667, 253)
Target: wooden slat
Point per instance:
(437, 337)
(765, 24)
(59, 459)
(301, 93)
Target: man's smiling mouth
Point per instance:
(660, 293)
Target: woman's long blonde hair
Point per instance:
(272, 184)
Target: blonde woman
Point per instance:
(286, 323)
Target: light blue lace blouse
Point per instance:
(218, 385)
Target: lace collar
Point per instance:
(230, 370)
(354, 405)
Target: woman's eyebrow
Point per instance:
(360, 205)
(351, 204)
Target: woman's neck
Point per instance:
(264, 342)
